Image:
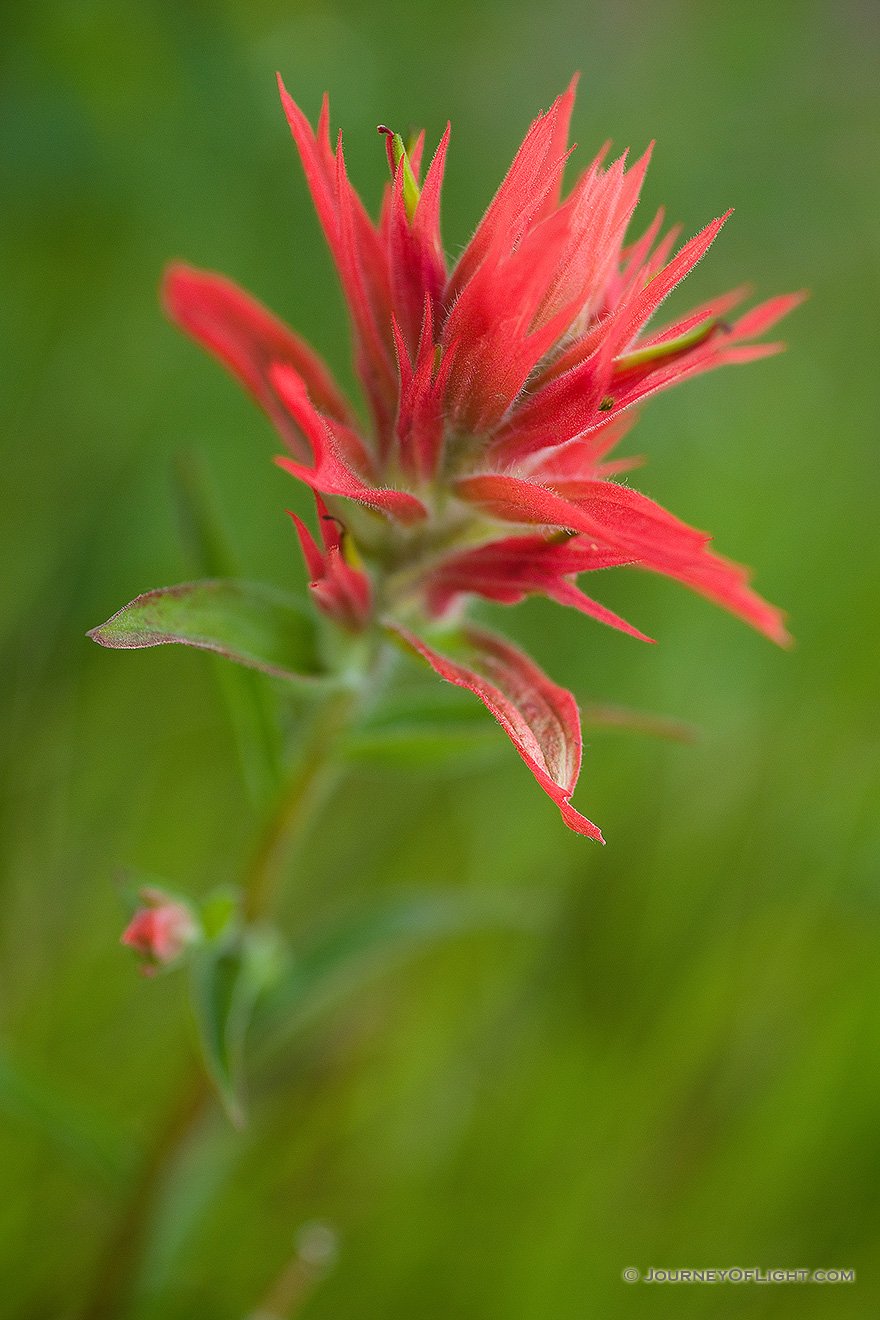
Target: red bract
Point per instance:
(496, 391)
(339, 589)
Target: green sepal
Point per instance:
(398, 154)
(656, 352)
(220, 913)
(413, 747)
(249, 622)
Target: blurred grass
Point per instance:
(686, 1074)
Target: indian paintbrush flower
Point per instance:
(496, 391)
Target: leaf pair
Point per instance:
(265, 629)
(245, 985)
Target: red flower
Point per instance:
(160, 931)
(496, 392)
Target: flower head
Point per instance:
(159, 931)
(496, 391)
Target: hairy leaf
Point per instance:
(249, 622)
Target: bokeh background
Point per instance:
(681, 1067)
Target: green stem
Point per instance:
(307, 791)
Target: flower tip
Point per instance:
(286, 99)
(175, 276)
(577, 823)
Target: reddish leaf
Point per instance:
(540, 718)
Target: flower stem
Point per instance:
(307, 790)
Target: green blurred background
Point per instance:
(683, 1068)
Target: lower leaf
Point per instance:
(249, 622)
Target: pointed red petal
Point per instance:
(759, 319)
(540, 718)
(558, 148)
(580, 457)
(342, 592)
(707, 311)
(337, 455)
(645, 304)
(357, 252)
(515, 567)
(566, 593)
(311, 554)
(569, 405)
(246, 338)
(421, 419)
(415, 156)
(531, 181)
(331, 528)
(635, 525)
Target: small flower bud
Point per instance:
(159, 931)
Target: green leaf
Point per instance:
(428, 704)
(365, 943)
(194, 1182)
(425, 727)
(228, 977)
(249, 704)
(249, 622)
